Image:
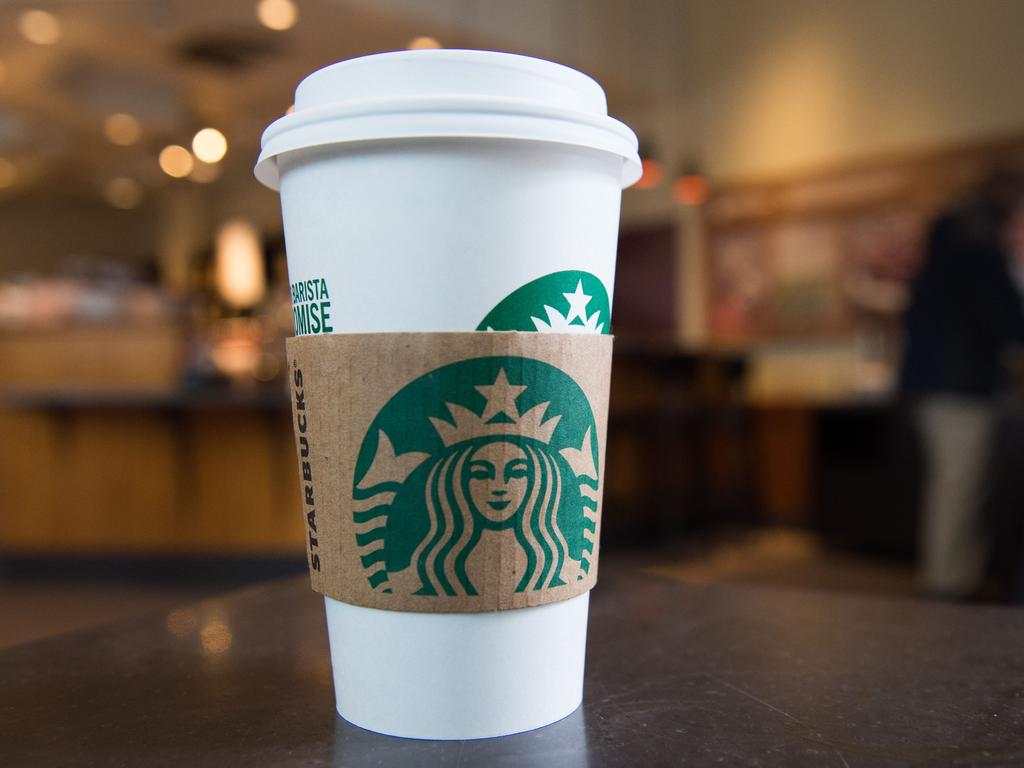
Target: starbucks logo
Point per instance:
(562, 302)
(488, 459)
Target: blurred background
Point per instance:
(797, 156)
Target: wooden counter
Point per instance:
(103, 474)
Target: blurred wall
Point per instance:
(800, 84)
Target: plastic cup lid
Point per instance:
(447, 93)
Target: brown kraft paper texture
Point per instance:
(451, 472)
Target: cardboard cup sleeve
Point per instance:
(451, 472)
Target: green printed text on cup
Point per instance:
(311, 307)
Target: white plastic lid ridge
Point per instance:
(447, 93)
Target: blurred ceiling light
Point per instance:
(215, 637)
(690, 189)
(277, 14)
(181, 622)
(39, 27)
(209, 145)
(268, 367)
(122, 129)
(8, 173)
(239, 272)
(176, 161)
(204, 173)
(123, 193)
(423, 43)
(652, 174)
(652, 171)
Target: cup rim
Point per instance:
(445, 115)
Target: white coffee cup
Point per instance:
(419, 191)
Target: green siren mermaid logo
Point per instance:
(562, 302)
(468, 463)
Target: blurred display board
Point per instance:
(830, 255)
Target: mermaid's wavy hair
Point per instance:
(440, 559)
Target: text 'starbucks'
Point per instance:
(302, 442)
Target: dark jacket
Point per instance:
(964, 311)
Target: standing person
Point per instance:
(965, 313)
(1015, 241)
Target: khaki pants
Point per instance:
(956, 434)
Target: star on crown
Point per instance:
(501, 400)
(560, 323)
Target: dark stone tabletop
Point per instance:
(676, 675)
